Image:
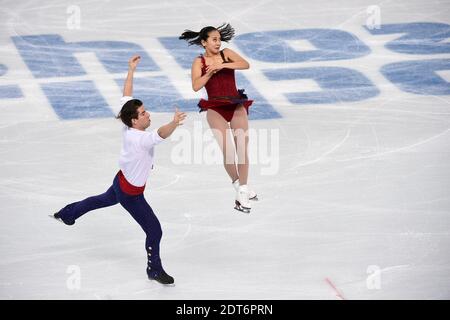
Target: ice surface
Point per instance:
(359, 195)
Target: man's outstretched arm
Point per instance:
(128, 86)
(169, 128)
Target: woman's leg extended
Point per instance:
(73, 211)
(221, 131)
(239, 126)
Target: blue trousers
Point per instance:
(139, 209)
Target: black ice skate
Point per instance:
(162, 277)
(57, 216)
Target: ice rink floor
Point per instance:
(350, 151)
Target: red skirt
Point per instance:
(225, 106)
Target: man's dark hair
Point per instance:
(129, 111)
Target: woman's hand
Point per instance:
(214, 68)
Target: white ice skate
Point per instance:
(242, 202)
(252, 194)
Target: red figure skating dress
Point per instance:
(223, 95)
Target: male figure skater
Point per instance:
(135, 163)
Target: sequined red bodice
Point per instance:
(221, 84)
(223, 96)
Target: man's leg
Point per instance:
(141, 211)
(73, 211)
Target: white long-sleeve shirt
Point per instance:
(137, 154)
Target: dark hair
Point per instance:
(129, 111)
(226, 34)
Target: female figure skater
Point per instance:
(226, 106)
(135, 162)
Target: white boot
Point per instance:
(252, 194)
(242, 202)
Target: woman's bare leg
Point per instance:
(239, 126)
(221, 132)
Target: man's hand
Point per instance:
(166, 130)
(133, 62)
(178, 117)
(128, 86)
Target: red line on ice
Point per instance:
(338, 294)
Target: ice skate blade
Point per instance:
(247, 211)
(57, 219)
(240, 208)
(163, 284)
(61, 220)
